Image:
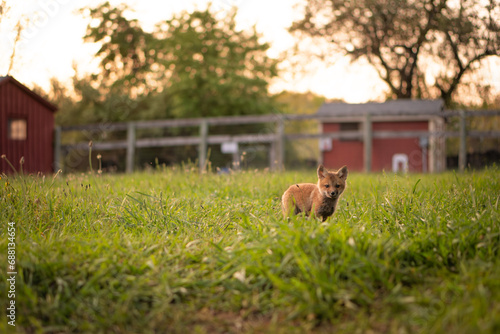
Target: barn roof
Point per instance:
(38, 98)
(394, 107)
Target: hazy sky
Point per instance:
(52, 43)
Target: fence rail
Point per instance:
(277, 137)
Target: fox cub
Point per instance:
(321, 197)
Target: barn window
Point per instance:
(349, 126)
(17, 129)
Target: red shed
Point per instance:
(27, 128)
(397, 131)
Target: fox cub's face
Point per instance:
(331, 184)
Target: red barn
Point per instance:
(390, 136)
(27, 128)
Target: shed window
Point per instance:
(354, 126)
(350, 126)
(17, 129)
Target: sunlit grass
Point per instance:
(173, 250)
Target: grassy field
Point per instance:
(172, 251)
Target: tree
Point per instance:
(471, 33)
(193, 65)
(125, 59)
(20, 25)
(399, 37)
(211, 68)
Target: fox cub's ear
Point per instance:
(322, 172)
(342, 173)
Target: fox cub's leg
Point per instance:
(286, 206)
(289, 205)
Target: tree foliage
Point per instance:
(124, 57)
(212, 68)
(194, 65)
(401, 37)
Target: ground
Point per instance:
(174, 251)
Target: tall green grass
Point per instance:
(172, 250)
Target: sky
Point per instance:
(52, 44)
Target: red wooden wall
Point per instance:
(18, 102)
(350, 152)
(344, 152)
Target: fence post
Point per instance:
(272, 155)
(462, 153)
(202, 149)
(57, 148)
(367, 142)
(278, 146)
(130, 147)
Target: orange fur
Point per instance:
(321, 199)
